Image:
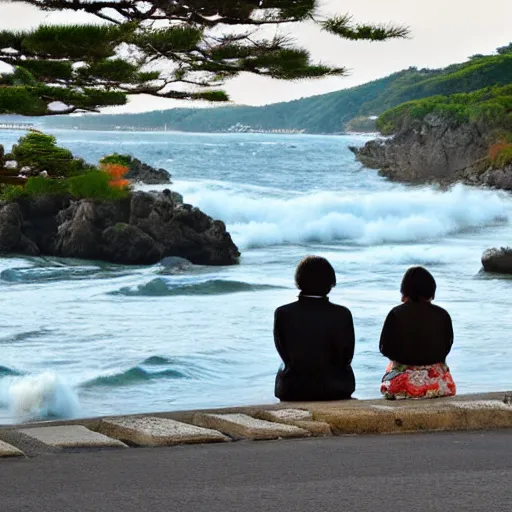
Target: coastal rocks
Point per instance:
(10, 227)
(140, 172)
(139, 230)
(432, 151)
(491, 177)
(498, 260)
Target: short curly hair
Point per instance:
(315, 276)
(418, 284)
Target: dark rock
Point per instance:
(174, 264)
(430, 150)
(498, 260)
(10, 227)
(40, 220)
(435, 150)
(183, 230)
(27, 247)
(496, 178)
(129, 245)
(140, 172)
(79, 232)
(142, 229)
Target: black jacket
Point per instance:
(315, 340)
(417, 333)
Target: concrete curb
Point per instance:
(71, 436)
(276, 421)
(243, 426)
(150, 431)
(7, 450)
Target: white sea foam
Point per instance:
(393, 216)
(39, 396)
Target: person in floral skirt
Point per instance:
(416, 338)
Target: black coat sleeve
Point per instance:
(449, 334)
(387, 344)
(278, 339)
(350, 340)
(343, 340)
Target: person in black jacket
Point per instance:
(315, 339)
(417, 337)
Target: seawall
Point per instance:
(262, 422)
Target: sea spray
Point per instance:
(392, 216)
(40, 396)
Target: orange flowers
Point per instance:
(497, 150)
(116, 172)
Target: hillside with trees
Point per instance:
(327, 113)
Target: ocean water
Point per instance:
(81, 338)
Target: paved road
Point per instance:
(461, 472)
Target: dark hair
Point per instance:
(315, 276)
(418, 284)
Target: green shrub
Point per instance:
(40, 151)
(11, 192)
(95, 185)
(40, 186)
(115, 158)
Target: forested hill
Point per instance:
(328, 113)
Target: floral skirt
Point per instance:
(402, 381)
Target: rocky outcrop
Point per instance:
(141, 229)
(432, 150)
(488, 176)
(140, 172)
(435, 150)
(498, 260)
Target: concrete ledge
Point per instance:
(7, 450)
(246, 427)
(150, 431)
(71, 436)
(297, 417)
(463, 412)
(417, 417)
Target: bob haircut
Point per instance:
(315, 276)
(418, 284)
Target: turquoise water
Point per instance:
(87, 338)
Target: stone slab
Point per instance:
(287, 415)
(298, 417)
(152, 431)
(246, 427)
(7, 450)
(482, 404)
(71, 436)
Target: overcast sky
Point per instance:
(443, 32)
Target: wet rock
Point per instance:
(498, 260)
(140, 172)
(141, 229)
(10, 227)
(129, 245)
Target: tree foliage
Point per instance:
(41, 153)
(166, 48)
(327, 113)
(489, 108)
(65, 174)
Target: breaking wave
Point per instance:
(393, 216)
(35, 397)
